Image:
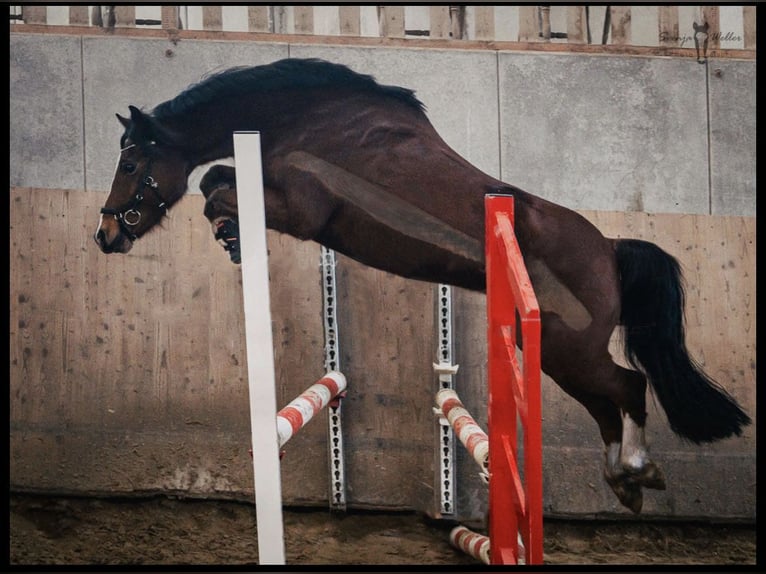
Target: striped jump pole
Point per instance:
(477, 545)
(471, 543)
(302, 409)
(466, 428)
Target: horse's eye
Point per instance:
(128, 167)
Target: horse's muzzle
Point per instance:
(110, 238)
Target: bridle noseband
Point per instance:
(128, 216)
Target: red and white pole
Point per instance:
(303, 408)
(477, 545)
(465, 426)
(470, 542)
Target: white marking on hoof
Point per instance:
(613, 465)
(634, 454)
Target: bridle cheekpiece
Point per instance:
(127, 215)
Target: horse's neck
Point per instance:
(205, 137)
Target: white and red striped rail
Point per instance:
(473, 544)
(474, 439)
(302, 409)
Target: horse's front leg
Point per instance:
(218, 186)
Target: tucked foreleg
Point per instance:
(218, 186)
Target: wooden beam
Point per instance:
(303, 17)
(620, 22)
(529, 24)
(350, 24)
(667, 22)
(749, 28)
(34, 14)
(711, 15)
(78, 16)
(441, 23)
(212, 17)
(576, 25)
(484, 22)
(258, 19)
(391, 19)
(124, 16)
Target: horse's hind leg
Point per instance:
(627, 389)
(627, 466)
(610, 424)
(615, 397)
(634, 452)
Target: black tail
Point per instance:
(697, 408)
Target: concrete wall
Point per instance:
(127, 372)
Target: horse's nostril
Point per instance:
(100, 236)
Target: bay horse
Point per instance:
(357, 166)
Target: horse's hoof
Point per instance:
(628, 492)
(227, 232)
(650, 476)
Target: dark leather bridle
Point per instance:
(127, 215)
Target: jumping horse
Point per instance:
(357, 166)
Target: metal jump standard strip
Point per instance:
(337, 478)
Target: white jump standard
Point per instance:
(270, 430)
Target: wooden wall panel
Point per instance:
(387, 339)
(718, 258)
(128, 372)
(151, 345)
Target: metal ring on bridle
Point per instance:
(131, 217)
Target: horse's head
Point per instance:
(151, 176)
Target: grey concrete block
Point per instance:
(46, 112)
(144, 73)
(605, 132)
(458, 88)
(732, 137)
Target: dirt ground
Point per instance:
(163, 531)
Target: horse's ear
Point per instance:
(142, 126)
(139, 119)
(135, 114)
(124, 121)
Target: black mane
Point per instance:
(283, 74)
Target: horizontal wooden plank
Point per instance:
(390, 42)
